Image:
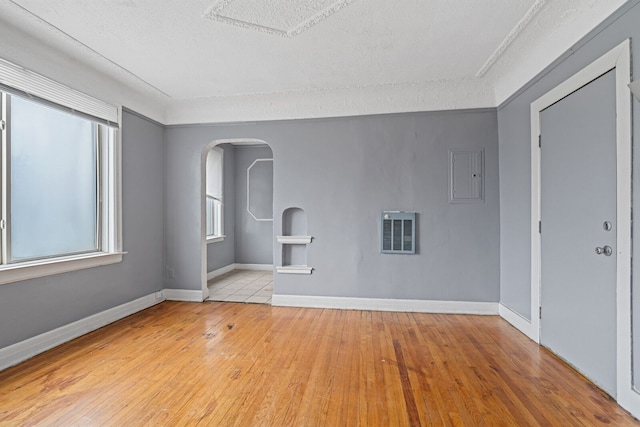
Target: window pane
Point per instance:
(53, 182)
(209, 216)
(213, 218)
(214, 173)
(214, 192)
(217, 218)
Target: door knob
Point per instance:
(606, 251)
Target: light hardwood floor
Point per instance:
(223, 364)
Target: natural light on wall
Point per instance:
(53, 182)
(59, 178)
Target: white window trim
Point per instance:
(30, 270)
(26, 81)
(29, 82)
(212, 238)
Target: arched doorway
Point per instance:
(236, 212)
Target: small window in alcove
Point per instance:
(214, 194)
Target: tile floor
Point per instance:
(242, 286)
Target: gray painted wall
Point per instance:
(254, 239)
(32, 307)
(183, 208)
(515, 167)
(343, 172)
(221, 254)
(515, 158)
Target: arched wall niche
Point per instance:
(294, 240)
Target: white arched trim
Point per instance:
(203, 190)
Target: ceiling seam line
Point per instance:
(92, 50)
(510, 38)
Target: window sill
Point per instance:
(31, 270)
(214, 239)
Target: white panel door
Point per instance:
(577, 199)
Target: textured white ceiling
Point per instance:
(283, 18)
(229, 60)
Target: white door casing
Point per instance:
(618, 58)
(577, 196)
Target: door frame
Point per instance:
(203, 190)
(618, 59)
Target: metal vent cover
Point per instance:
(397, 232)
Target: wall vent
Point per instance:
(398, 232)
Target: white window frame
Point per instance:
(211, 238)
(19, 81)
(217, 217)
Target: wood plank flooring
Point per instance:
(227, 364)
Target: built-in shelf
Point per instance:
(294, 240)
(294, 269)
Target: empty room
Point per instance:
(319, 212)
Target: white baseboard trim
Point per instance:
(23, 350)
(256, 267)
(219, 272)
(380, 304)
(519, 322)
(187, 295)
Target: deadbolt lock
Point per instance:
(607, 226)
